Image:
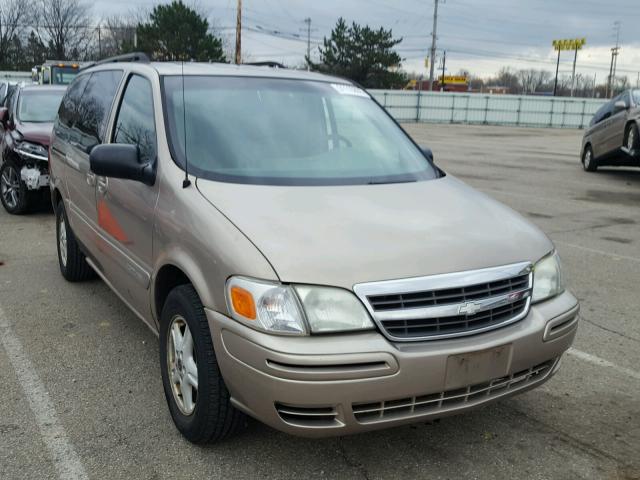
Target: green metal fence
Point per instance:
(476, 108)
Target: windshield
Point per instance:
(287, 132)
(63, 75)
(39, 106)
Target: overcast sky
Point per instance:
(478, 35)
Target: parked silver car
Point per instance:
(613, 136)
(302, 260)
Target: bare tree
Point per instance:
(14, 17)
(66, 27)
(531, 80)
(116, 35)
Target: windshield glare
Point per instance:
(39, 107)
(287, 132)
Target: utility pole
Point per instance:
(434, 33)
(444, 62)
(239, 34)
(614, 61)
(99, 44)
(308, 29)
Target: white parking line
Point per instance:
(65, 458)
(600, 252)
(587, 357)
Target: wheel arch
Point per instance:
(171, 274)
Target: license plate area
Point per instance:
(477, 367)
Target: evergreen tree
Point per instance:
(362, 54)
(177, 32)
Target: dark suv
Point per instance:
(26, 122)
(613, 136)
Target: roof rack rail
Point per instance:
(127, 57)
(267, 63)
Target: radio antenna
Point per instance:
(186, 182)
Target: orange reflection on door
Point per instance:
(109, 224)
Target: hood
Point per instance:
(36, 132)
(346, 235)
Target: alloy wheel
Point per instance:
(62, 240)
(587, 158)
(10, 187)
(182, 366)
(631, 139)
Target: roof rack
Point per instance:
(267, 63)
(127, 57)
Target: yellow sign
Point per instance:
(454, 79)
(569, 44)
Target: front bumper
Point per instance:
(342, 384)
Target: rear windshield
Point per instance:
(63, 75)
(39, 106)
(287, 132)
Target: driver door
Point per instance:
(125, 207)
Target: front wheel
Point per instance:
(588, 162)
(196, 394)
(13, 191)
(632, 138)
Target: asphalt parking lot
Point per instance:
(81, 393)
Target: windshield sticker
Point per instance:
(344, 89)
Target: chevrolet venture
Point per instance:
(613, 136)
(302, 260)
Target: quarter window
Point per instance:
(135, 124)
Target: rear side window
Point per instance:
(135, 124)
(95, 105)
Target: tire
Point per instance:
(73, 264)
(16, 198)
(210, 417)
(632, 138)
(589, 163)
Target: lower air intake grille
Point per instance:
(307, 416)
(443, 401)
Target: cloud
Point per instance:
(479, 35)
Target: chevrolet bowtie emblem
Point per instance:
(469, 308)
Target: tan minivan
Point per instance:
(302, 260)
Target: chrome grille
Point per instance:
(449, 305)
(450, 399)
(456, 324)
(450, 295)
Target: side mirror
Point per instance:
(4, 115)
(427, 152)
(118, 160)
(619, 106)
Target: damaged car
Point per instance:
(26, 122)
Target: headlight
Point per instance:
(32, 151)
(333, 309)
(547, 278)
(295, 310)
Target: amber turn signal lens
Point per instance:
(242, 302)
